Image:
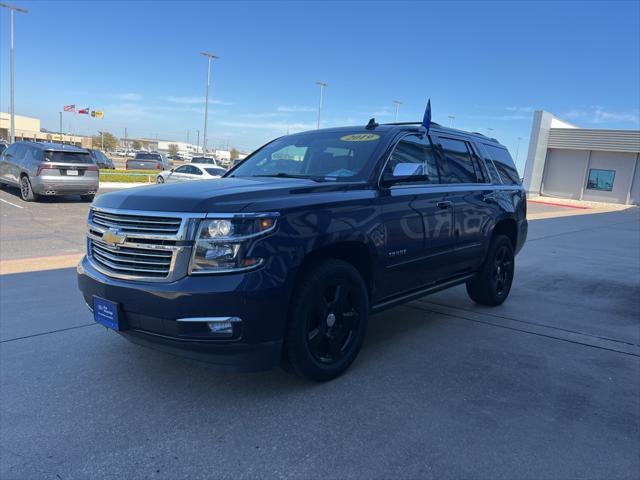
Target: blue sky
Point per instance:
(488, 63)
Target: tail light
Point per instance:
(158, 166)
(126, 165)
(44, 166)
(92, 168)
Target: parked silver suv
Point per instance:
(48, 169)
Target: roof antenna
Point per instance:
(372, 124)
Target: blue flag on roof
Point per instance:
(426, 120)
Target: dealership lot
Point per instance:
(545, 386)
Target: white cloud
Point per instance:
(519, 110)
(597, 114)
(128, 97)
(281, 126)
(195, 100)
(295, 109)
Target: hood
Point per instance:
(224, 195)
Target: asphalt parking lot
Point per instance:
(545, 386)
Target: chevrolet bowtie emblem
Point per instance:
(114, 237)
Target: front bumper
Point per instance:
(149, 313)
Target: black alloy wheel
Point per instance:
(327, 320)
(492, 284)
(333, 323)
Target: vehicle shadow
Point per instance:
(15, 191)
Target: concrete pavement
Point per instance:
(545, 386)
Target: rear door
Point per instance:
(471, 193)
(418, 219)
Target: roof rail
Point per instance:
(412, 123)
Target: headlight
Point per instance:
(221, 244)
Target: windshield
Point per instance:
(67, 157)
(148, 156)
(332, 156)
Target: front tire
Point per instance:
(160, 179)
(493, 283)
(26, 191)
(327, 321)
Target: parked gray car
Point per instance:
(48, 169)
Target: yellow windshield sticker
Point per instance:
(360, 137)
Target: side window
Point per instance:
(460, 165)
(195, 171)
(504, 164)
(19, 153)
(414, 155)
(182, 169)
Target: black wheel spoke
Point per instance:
(333, 348)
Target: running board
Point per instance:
(407, 297)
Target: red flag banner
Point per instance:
(84, 111)
(70, 108)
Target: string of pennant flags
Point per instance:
(84, 111)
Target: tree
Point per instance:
(173, 150)
(110, 141)
(234, 153)
(136, 145)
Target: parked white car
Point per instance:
(191, 171)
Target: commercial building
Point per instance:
(28, 128)
(565, 161)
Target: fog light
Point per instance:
(223, 328)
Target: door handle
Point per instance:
(444, 205)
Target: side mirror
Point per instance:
(405, 173)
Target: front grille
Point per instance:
(140, 262)
(142, 224)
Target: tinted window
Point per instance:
(460, 165)
(601, 179)
(504, 164)
(148, 156)
(335, 156)
(194, 170)
(67, 157)
(215, 171)
(414, 149)
(182, 169)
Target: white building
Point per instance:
(565, 161)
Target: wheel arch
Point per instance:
(509, 227)
(356, 253)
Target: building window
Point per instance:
(601, 179)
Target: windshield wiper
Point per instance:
(291, 175)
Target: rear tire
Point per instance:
(493, 283)
(87, 198)
(26, 191)
(327, 321)
(160, 179)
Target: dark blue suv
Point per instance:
(284, 258)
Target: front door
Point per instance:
(417, 216)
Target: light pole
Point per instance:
(518, 148)
(61, 142)
(210, 56)
(398, 103)
(321, 85)
(451, 119)
(198, 142)
(11, 95)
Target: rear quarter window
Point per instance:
(504, 164)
